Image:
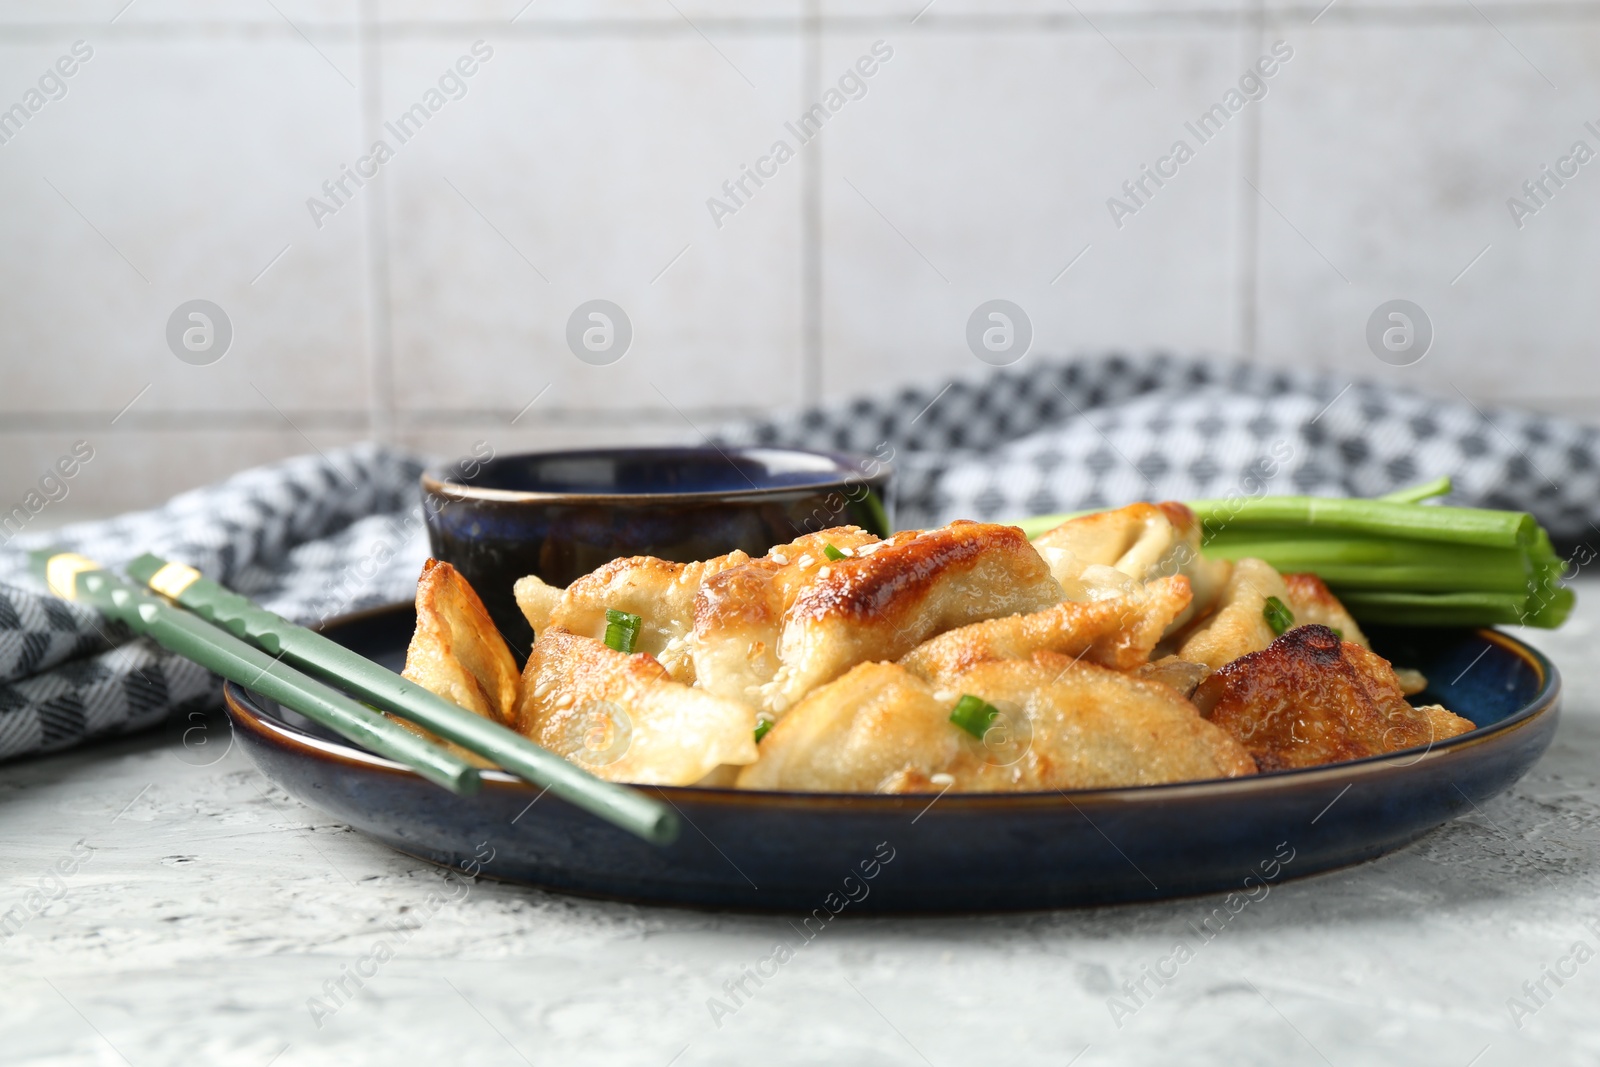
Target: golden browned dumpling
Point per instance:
(1310, 699)
(1061, 724)
(1096, 554)
(537, 601)
(1117, 631)
(739, 612)
(856, 733)
(1313, 605)
(623, 718)
(774, 629)
(1239, 624)
(659, 592)
(456, 652)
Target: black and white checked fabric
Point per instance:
(319, 535)
(310, 538)
(1092, 433)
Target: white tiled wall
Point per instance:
(432, 307)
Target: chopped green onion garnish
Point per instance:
(831, 552)
(622, 629)
(762, 728)
(1337, 632)
(1278, 615)
(973, 714)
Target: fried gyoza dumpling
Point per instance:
(1116, 632)
(1313, 605)
(623, 718)
(1062, 724)
(774, 629)
(659, 592)
(456, 652)
(739, 612)
(1239, 623)
(856, 733)
(1141, 542)
(537, 601)
(1309, 699)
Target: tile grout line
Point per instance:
(375, 216)
(350, 420)
(1247, 324)
(1219, 17)
(811, 215)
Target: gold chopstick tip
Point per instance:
(61, 573)
(172, 579)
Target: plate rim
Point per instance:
(239, 701)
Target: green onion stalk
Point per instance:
(1397, 559)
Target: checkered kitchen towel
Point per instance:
(318, 535)
(309, 538)
(1102, 432)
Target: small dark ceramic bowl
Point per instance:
(560, 515)
(822, 853)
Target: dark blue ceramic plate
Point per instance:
(825, 853)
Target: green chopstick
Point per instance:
(619, 805)
(72, 577)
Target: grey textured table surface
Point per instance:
(212, 908)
